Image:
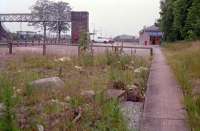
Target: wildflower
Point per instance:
(18, 91)
(132, 62)
(78, 68)
(140, 69)
(67, 98)
(40, 127)
(63, 59)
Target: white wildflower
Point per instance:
(140, 69)
(78, 68)
(132, 62)
(19, 71)
(40, 127)
(18, 91)
(67, 98)
(54, 100)
(14, 88)
(63, 59)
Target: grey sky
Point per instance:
(111, 17)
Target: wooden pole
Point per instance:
(44, 39)
(131, 51)
(10, 45)
(92, 50)
(151, 51)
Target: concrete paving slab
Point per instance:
(163, 108)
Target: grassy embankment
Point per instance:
(184, 58)
(28, 108)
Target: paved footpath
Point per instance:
(163, 109)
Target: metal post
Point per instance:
(44, 39)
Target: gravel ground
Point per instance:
(132, 112)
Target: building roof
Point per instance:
(125, 37)
(152, 28)
(152, 31)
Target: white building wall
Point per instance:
(144, 37)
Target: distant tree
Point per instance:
(42, 11)
(166, 20)
(60, 11)
(45, 9)
(180, 12)
(193, 21)
(179, 19)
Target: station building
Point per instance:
(150, 36)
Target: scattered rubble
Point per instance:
(88, 94)
(132, 112)
(78, 114)
(118, 85)
(134, 94)
(116, 94)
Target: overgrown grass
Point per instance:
(51, 109)
(7, 117)
(184, 59)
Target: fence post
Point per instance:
(10, 45)
(131, 51)
(151, 51)
(122, 47)
(79, 51)
(92, 50)
(44, 39)
(17, 43)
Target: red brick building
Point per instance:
(80, 23)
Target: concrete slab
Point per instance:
(163, 108)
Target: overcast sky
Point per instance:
(110, 17)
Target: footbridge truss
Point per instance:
(26, 17)
(79, 21)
